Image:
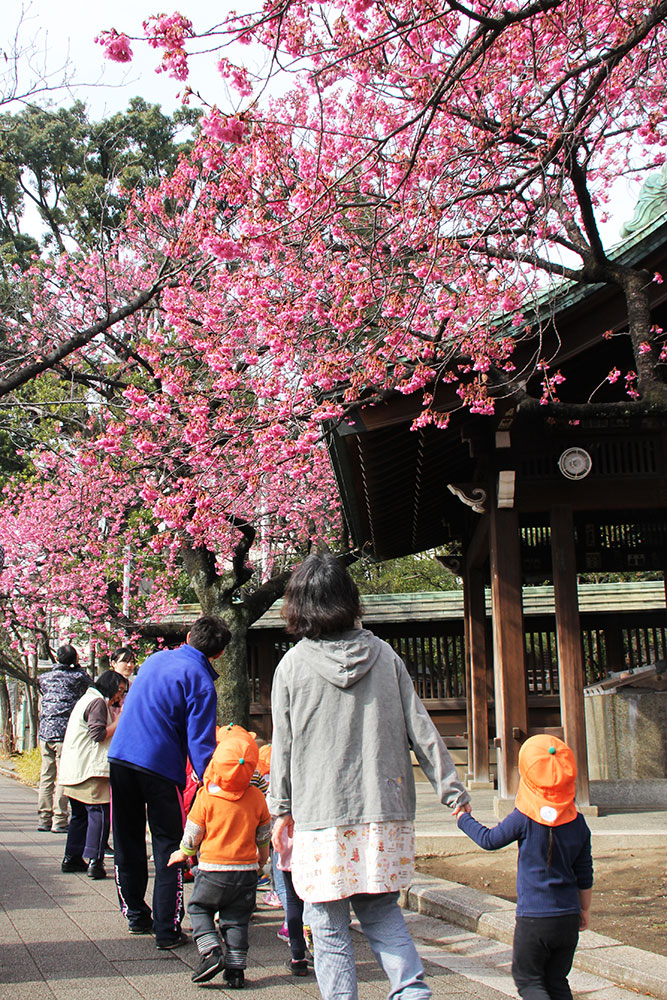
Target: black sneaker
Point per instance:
(209, 965)
(142, 927)
(96, 869)
(168, 944)
(235, 979)
(73, 865)
(298, 967)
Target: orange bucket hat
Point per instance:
(264, 765)
(233, 764)
(547, 785)
(221, 731)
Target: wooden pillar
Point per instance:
(613, 641)
(508, 646)
(568, 637)
(474, 607)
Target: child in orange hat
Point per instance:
(229, 824)
(555, 868)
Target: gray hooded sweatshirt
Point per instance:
(345, 717)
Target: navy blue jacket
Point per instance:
(169, 715)
(60, 688)
(542, 890)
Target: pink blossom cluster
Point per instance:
(116, 46)
(222, 129)
(169, 33)
(395, 220)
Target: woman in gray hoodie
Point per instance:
(345, 717)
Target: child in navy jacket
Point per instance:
(555, 868)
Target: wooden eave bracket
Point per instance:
(471, 496)
(506, 485)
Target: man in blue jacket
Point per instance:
(169, 715)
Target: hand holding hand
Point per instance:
(464, 807)
(282, 823)
(176, 858)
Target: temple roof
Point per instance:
(394, 481)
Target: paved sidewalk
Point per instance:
(63, 938)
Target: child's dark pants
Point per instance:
(542, 956)
(294, 920)
(232, 894)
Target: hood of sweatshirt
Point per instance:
(344, 658)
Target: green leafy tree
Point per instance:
(77, 174)
(66, 183)
(408, 575)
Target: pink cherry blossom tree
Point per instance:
(450, 161)
(194, 450)
(398, 218)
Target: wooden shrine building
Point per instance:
(532, 494)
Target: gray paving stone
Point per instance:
(626, 966)
(63, 938)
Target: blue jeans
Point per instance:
(383, 924)
(278, 880)
(294, 919)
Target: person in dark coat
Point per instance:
(60, 690)
(169, 716)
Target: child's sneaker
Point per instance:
(283, 933)
(235, 979)
(308, 937)
(209, 965)
(263, 882)
(272, 898)
(298, 967)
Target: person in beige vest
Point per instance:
(84, 773)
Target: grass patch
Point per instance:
(28, 766)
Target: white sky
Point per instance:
(65, 29)
(62, 31)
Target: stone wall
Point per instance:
(626, 734)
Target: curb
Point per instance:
(623, 965)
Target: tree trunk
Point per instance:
(233, 684)
(636, 285)
(6, 727)
(32, 694)
(224, 596)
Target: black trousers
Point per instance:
(88, 830)
(232, 895)
(138, 795)
(542, 956)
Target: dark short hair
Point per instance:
(67, 655)
(123, 653)
(321, 598)
(209, 635)
(109, 682)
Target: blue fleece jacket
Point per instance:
(169, 715)
(542, 889)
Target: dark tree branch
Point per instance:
(83, 337)
(260, 600)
